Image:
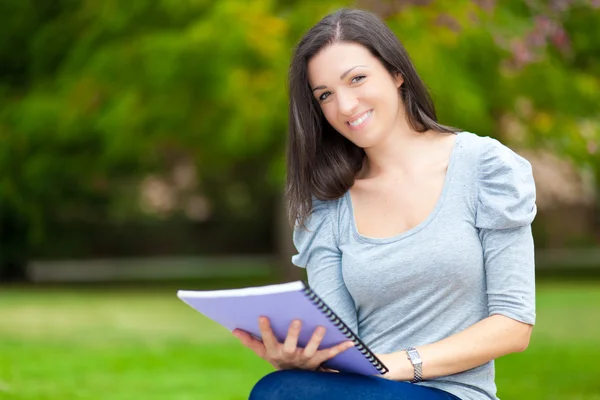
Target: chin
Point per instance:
(364, 142)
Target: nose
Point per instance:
(347, 102)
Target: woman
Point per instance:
(416, 234)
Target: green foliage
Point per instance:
(94, 96)
(533, 64)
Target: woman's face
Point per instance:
(357, 95)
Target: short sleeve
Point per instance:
(505, 210)
(506, 189)
(319, 253)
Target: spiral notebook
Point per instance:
(283, 303)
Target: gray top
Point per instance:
(471, 258)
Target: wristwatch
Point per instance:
(415, 359)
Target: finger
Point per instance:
(241, 335)
(251, 342)
(291, 340)
(334, 371)
(327, 354)
(313, 344)
(268, 337)
(238, 333)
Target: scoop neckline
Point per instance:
(422, 224)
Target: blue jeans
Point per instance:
(296, 384)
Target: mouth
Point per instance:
(360, 121)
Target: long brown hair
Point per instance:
(320, 161)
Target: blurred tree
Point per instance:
(98, 98)
(95, 95)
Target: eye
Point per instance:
(324, 96)
(358, 78)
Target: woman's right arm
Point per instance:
(319, 253)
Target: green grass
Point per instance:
(98, 343)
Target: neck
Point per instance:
(404, 149)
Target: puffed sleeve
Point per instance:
(319, 253)
(505, 209)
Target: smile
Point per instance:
(360, 120)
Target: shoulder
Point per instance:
(322, 210)
(323, 213)
(487, 155)
(505, 186)
(485, 148)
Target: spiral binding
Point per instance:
(315, 299)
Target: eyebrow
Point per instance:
(341, 77)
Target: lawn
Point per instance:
(115, 343)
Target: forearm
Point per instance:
(486, 340)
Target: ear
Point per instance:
(398, 79)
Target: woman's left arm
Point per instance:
(508, 256)
(486, 340)
(505, 211)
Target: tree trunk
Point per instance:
(14, 246)
(14, 271)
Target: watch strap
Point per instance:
(415, 359)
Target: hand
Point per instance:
(288, 355)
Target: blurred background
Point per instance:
(142, 151)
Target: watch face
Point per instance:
(414, 356)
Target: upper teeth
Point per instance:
(361, 119)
